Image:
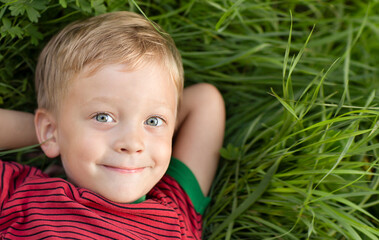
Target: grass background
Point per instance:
(300, 83)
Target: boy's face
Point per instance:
(115, 128)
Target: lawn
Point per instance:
(300, 80)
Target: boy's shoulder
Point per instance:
(13, 175)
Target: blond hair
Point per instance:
(112, 38)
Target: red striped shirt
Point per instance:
(35, 206)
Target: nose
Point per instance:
(129, 140)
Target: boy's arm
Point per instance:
(200, 132)
(16, 129)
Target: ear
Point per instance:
(46, 129)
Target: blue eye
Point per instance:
(103, 117)
(154, 121)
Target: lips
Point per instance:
(124, 169)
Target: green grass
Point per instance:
(300, 83)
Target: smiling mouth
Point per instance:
(124, 170)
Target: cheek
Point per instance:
(79, 143)
(79, 157)
(161, 150)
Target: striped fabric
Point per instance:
(35, 206)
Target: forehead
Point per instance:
(148, 83)
(150, 68)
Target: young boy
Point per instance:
(109, 104)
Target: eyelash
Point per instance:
(109, 115)
(102, 113)
(156, 116)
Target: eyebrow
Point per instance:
(104, 99)
(100, 99)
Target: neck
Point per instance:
(141, 199)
